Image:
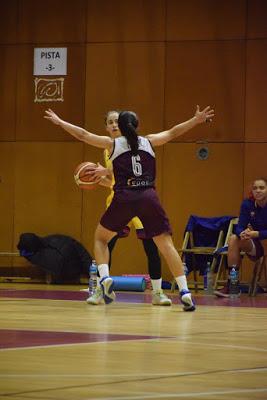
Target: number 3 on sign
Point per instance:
(137, 166)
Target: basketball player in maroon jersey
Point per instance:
(133, 161)
(159, 298)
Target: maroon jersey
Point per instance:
(133, 172)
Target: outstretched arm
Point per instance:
(104, 142)
(158, 139)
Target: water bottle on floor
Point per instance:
(234, 284)
(92, 278)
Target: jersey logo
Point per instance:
(139, 182)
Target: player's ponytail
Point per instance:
(128, 123)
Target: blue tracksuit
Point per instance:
(251, 213)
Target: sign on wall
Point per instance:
(50, 61)
(48, 89)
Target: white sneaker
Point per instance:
(187, 300)
(96, 298)
(160, 299)
(107, 285)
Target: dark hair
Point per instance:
(128, 123)
(260, 179)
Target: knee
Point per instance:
(99, 238)
(167, 248)
(237, 243)
(234, 241)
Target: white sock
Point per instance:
(181, 282)
(103, 270)
(156, 284)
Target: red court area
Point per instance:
(135, 297)
(14, 338)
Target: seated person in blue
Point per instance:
(251, 230)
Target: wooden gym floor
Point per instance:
(53, 346)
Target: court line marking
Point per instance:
(181, 395)
(149, 374)
(165, 339)
(89, 375)
(228, 346)
(151, 395)
(140, 379)
(84, 343)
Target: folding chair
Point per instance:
(203, 237)
(260, 266)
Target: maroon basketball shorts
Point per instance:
(142, 203)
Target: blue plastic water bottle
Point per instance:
(234, 284)
(92, 278)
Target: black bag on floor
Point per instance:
(63, 257)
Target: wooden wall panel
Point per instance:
(125, 20)
(257, 17)
(94, 201)
(256, 93)
(8, 92)
(6, 199)
(30, 122)
(8, 21)
(206, 188)
(52, 21)
(125, 76)
(47, 200)
(255, 162)
(205, 19)
(207, 73)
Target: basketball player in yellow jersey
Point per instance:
(151, 250)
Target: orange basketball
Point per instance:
(83, 177)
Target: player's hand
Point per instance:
(249, 234)
(53, 117)
(100, 171)
(205, 115)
